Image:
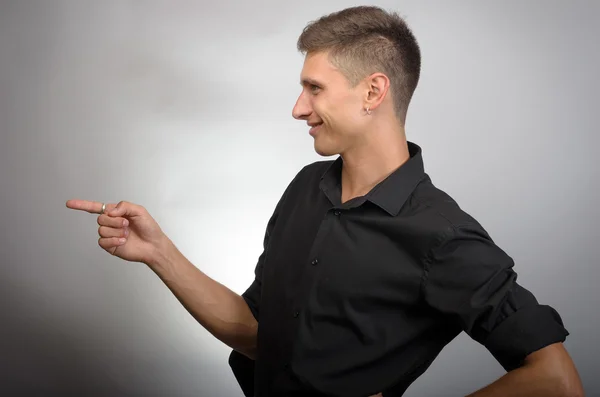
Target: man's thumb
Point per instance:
(125, 208)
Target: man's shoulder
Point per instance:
(439, 208)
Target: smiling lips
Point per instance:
(314, 128)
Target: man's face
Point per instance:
(331, 105)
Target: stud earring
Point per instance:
(368, 110)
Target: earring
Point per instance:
(368, 110)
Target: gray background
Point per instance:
(185, 107)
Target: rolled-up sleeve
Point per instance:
(468, 277)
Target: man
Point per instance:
(368, 270)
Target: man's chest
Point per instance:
(344, 258)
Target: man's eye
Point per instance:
(314, 88)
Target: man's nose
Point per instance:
(302, 108)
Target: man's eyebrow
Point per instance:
(308, 81)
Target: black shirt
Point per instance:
(357, 298)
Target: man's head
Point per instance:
(362, 64)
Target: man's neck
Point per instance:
(372, 162)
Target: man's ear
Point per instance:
(378, 85)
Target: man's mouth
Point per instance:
(315, 128)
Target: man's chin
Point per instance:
(325, 151)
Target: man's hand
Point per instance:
(126, 230)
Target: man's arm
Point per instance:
(547, 372)
(129, 232)
(222, 312)
(231, 318)
(470, 279)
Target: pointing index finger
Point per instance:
(93, 207)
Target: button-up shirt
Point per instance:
(357, 298)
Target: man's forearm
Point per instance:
(529, 381)
(221, 311)
(547, 372)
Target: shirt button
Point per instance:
(337, 213)
(296, 313)
(314, 263)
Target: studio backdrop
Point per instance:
(185, 108)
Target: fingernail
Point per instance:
(126, 232)
(125, 222)
(121, 240)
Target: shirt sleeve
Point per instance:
(472, 280)
(241, 366)
(253, 293)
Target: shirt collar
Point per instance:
(391, 193)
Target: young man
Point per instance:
(368, 269)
